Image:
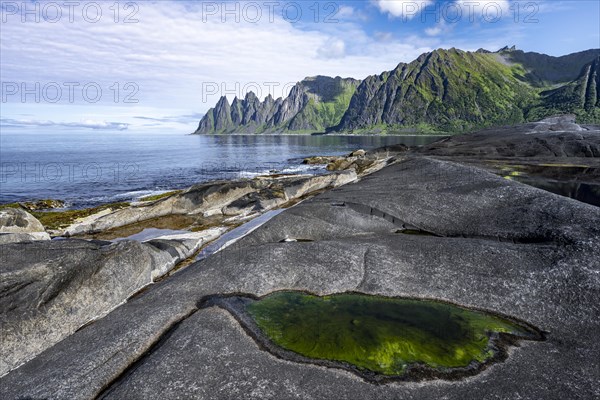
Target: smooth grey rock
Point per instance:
(214, 198)
(358, 153)
(17, 225)
(254, 202)
(15, 220)
(304, 186)
(208, 198)
(182, 246)
(50, 289)
(559, 119)
(500, 245)
(558, 123)
(365, 163)
(23, 237)
(316, 160)
(540, 140)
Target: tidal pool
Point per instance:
(573, 181)
(385, 336)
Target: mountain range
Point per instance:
(441, 91)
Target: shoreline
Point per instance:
(327, 134)
(493, 244)
(183, 226)
(113, 172)
(168, 209)
(156, 194)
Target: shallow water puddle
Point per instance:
(152, 233)
(236, 234)
(379, 337)
(573, 181)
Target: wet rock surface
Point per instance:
(554, 154)
(489, 243)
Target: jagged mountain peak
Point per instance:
(442, 90)
(222, 101)
(250, 96)
(313, 104)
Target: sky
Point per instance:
(157, 66)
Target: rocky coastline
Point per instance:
(439, 222)
(57, 275)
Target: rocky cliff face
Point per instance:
(444, 90)
(580, 97)
(312, 105)
(542, 70)
(448, 89)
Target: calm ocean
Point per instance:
(87, 169)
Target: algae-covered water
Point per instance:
(380, 334)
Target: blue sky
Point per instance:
(157, 66)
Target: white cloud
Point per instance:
(434, 30)
(402, 8)
(172, 53)
(440, 28)
(334, 48)
(345, 12)
(91, 124)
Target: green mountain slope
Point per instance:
(449, 90)
(580, 97)
(318, 115)
(441, 91)
(457, 91)
(312, 105)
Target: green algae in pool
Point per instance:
(380, 334)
